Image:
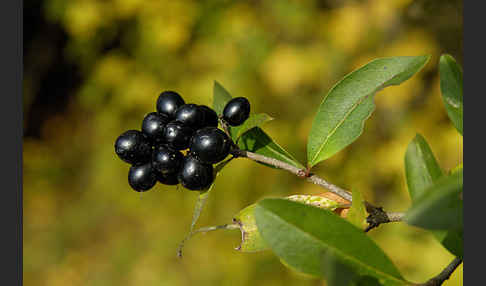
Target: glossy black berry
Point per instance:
(177, 135)
(195, 175)
(133, 147)
(166, 160)
(153, 126)
(210, 117)
(190, 115)
(236, 111)
(167, 179)
(142, 177)
(168, 102)
(210, 145)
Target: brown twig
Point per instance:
(378, 216)
(444, 275)
(294, 170)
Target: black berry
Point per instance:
(177, 135)
(133, 147)
(236, 111)
(210, 145)
(210, 117)
(195, 175)
(190, 115)
(168, 102)
(142, 177)
(153, 126)
(167, 179)
(166, 160)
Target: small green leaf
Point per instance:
(357, 212)
(257, 141)
(421, 168)
(220, 97)
(451, 89)
(255, 120)
(440, 207)
(301, 235)
(342, 113)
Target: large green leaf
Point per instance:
(257, 141)
(255, 120)
(440, 207)
(220, 97)
(422, 170)
(451, 89)
(366, 281)
(301, 235)
(341, 116)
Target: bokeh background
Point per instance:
(93, 69)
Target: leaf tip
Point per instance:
(418, 136)
(445, 57)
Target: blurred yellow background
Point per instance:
(93, 69)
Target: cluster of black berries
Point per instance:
(155, 151)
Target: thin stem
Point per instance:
(224, 126)
(444, 275)
(377, 215)
(395, 217)
(213, 228)
(296, 171)
(204, 229)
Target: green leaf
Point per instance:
(220, 97)
(255, 120)
(357, 212)
(421, 168)
(366, 281)
(257, 141)
(454, 241)
(336, 272)
(341, 115)
(451, 89)
(440, 207)
(301, 235)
